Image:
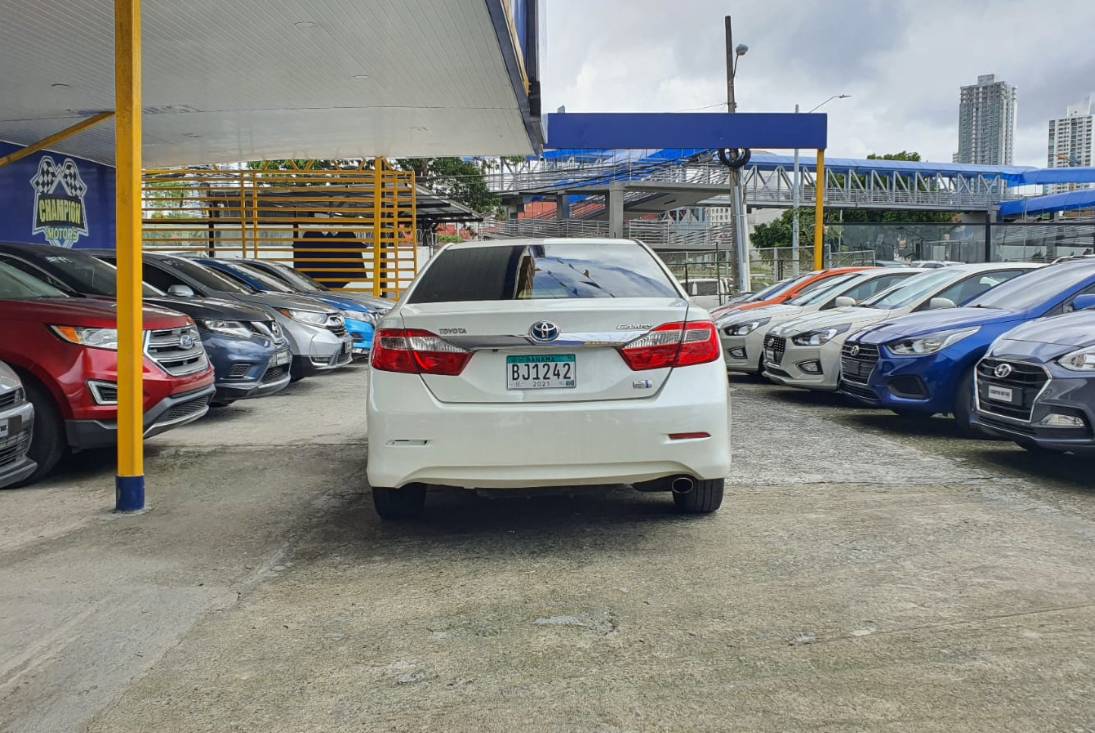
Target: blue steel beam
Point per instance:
(649, 130)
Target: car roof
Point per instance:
(527, 242)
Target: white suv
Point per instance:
(528, 363)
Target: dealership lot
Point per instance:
(864, 573)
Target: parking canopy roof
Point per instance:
(264, 79)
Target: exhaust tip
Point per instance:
(682, 484)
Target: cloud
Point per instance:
(901, 60)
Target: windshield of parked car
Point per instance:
(268, 281)
(207, 277)
(17, 285)
(298, 279)
(829, 287)
(89, 275)
(1035, 288)
(915, 288)
(554, 270)
(778, 289)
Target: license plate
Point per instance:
(1000, 394)
(281, 358)
(548, 371)
(4, 428)
(347, 346)
(770, 355)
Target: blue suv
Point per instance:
(360, 319)
(924, 363)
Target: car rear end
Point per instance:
(547, 363)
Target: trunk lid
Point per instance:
(499, 335)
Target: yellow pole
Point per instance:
(819, 212)
(378, 193)
(129, 484)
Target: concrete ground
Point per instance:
(864, 574)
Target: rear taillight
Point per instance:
(673, 345)
(414, 351)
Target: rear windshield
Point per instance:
(553, 270)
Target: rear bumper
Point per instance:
(170, 412)
(14, 463)
(414, 438)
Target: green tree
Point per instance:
(463, 181)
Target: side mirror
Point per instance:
(181, 291)
(940, 303)
(1083, 302)
(844, 301)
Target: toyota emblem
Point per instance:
(1002, 371)
(186, 341)
(544, 331)
(854, 351)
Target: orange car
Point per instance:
(801, 285)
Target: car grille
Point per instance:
(341, 357)
(14, 447)
(165, 347)
(11, 398)
(184, 410)
(1025, 382)
(336, 325)
(273, 374)
(857, 367)
(239, 371)
(776, 346)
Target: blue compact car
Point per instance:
(360, 318)
(924, 363)
(1036, 386)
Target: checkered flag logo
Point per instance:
(70, 179)
(46, 179)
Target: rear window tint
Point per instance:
(526, 272)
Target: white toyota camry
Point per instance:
(558, 362)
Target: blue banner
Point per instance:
(53, 198)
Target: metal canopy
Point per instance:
(643, 130)
(253, 79)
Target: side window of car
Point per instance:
(158, 278)
(24, 266)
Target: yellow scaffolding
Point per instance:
(351, 228)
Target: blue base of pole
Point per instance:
(128, 493)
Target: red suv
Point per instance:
(64, 349)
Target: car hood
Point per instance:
(87, 312)
(211, 308)
(371, 301)
(336, 300)
(768, 311)
(285, 300)
(1072, 330)
(855, 316)
(918, 324)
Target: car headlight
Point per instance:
(930, 344)
(359, 316)
(744, 328)
(820, 336)
(234, 329)
(95, 338)
(1079, 361)
(312, 318)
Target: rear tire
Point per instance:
(49, 442)
(704, 498)
(406, 503)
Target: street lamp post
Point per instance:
(797, 193)
(737, 195)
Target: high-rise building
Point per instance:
(986, 122)
(1070, 142)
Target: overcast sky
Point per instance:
(901, 60)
